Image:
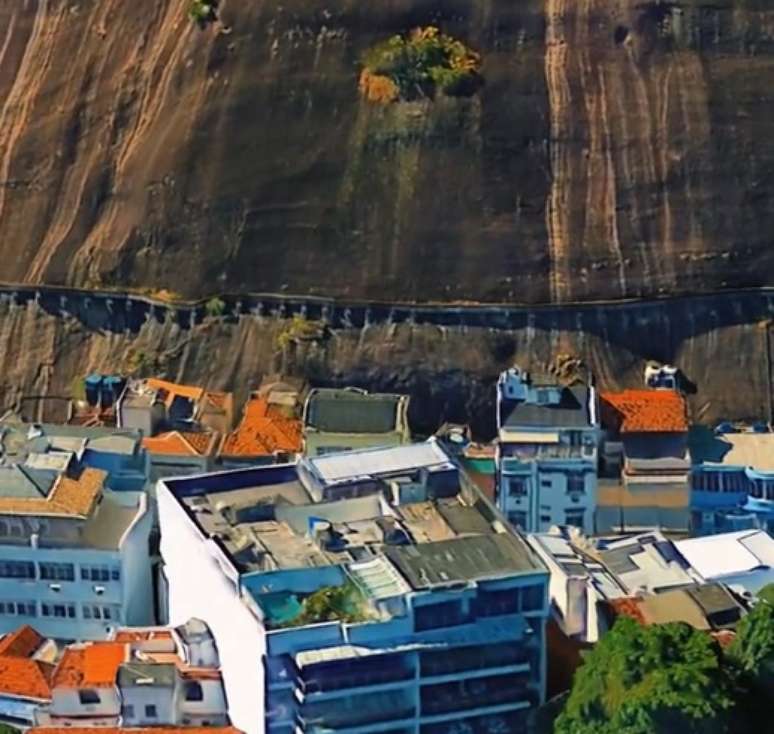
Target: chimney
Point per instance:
(576, 614)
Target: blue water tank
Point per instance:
(93, 384)
(112, 386)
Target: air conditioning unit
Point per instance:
(99, 590)
(55, 587)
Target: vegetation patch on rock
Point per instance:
(419, 65)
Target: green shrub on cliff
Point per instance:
(202, 12)
(419, 65)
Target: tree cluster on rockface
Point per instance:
(419, 65)
(669, 678)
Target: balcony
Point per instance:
(472, 659)
(476, 693)
(342, 676)
(347, 719)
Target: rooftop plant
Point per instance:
(419, 65)
(331, 603)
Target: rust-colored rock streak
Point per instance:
(617, 148)
(630, 139)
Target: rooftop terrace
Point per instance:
(352, 411)
(289, 547)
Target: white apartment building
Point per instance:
(357, 593)
(74, 560)
(547, 452)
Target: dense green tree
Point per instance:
(753, 648)
(767, 593)
(659, 679)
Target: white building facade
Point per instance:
(75, 565)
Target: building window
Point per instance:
(517, 486)
(546, 483)
(518, 519)
(193, 691)
(100, 573)
(576, 482)
(532, 598)
(545, 518)
(100, 611)
(57, 572)
(127, 711)
(88, 696)
(150, 711)
(574, 517)
(17, 570)
(58, 610)
(433, 616)
(496, 602)
(18, 608)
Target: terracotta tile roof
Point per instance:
(627, 607)
(264, 429)
(25, 678)
(174, 389)
(636, 411)
(181, 443)
(138, 635)
(69, 496)
(19, 675)
(93, 666)
(21, 643)
(724, 637)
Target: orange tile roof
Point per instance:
(69, 496)
(264, 429)
(174, 388)
(627, 607)
(138, 635)
(127, 730)
(636, 411)
(25, 678)
(93, 666)
(180, 443)
(19, 674)
(21, 643)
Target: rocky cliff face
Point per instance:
(618, 148)
(721, 344)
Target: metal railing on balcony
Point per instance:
(457, 700)
(335, 681)
(464, 659)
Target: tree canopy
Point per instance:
(659, 679)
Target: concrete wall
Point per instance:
(198, 587)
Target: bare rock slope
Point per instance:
(619, 148)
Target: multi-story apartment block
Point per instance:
(547, 452)
(361, 592)
(74, 558)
